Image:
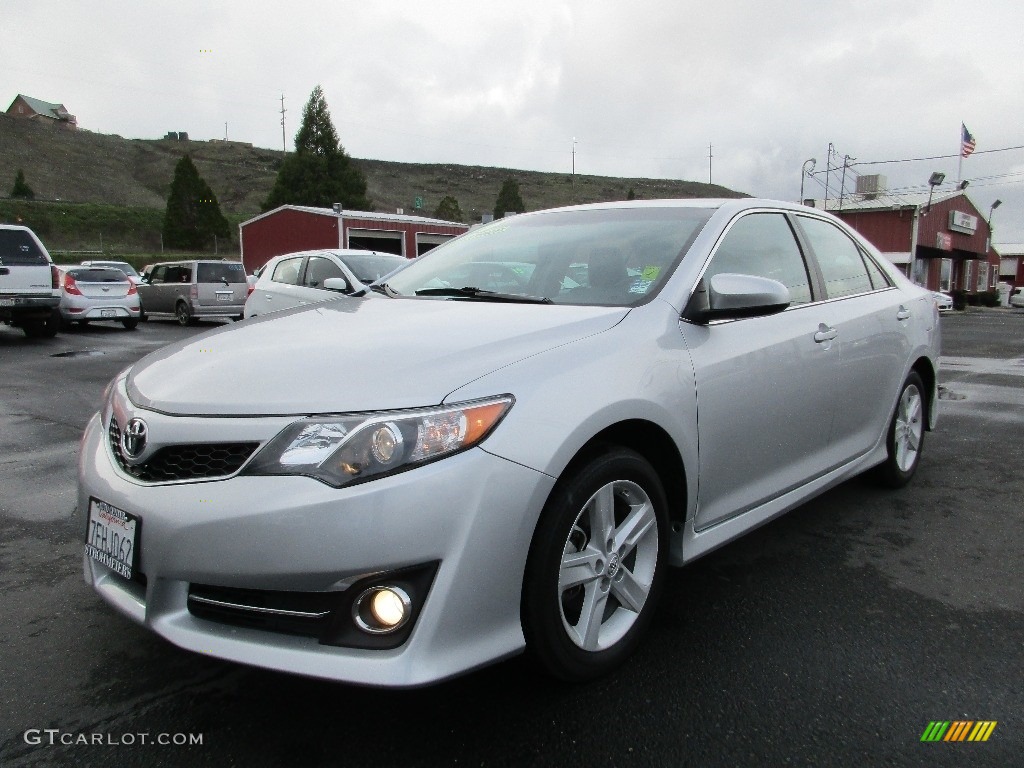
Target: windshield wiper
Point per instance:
(480, 294)
(382, 288)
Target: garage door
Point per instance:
(380, 240)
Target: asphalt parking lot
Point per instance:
(832, 636)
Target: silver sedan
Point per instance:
(470, 462)
(98, 293)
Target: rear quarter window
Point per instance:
(19, 249)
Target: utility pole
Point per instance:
(284, 143)
(709, 163)
(574, 160)
(225, 131)
(828, 167)
(842, 186)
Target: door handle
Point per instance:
(825, 333)
(903, 313)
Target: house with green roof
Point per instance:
(43, 111)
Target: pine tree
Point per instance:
(319, 172)
(509, 199)
(193, 216)
(448, 209)
(21, 188)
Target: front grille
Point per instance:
(191, 461)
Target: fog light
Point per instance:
(382, 609)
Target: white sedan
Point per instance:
(943, 301)
(308, 277)
(1017, 297)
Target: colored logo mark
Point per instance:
(958, 730)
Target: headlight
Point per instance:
(345, 449)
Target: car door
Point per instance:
(277, 286)
(871, 321)
(765, 385)
(151, 292)
(321, 267)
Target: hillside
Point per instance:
(84, 167)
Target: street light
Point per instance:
(933, 181)
(988, 243)
(805, 172)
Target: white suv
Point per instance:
(29, 283)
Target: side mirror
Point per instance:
(729, 296)
(339, 284)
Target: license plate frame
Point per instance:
(224, 296)
(112, 538)
(108, 313)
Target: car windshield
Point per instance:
(98, 275)
(369, 268)
(611, 257)
(220, 272)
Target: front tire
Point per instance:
(596, 566)
(905, 439)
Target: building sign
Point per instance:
(963, 222)
(944, 241)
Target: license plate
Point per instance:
(223, 297)
(108, 313)
(6, 302)
(112, 538)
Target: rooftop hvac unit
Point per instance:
(871, 186)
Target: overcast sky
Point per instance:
(644, 86)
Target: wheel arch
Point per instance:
(924, 368)
(652, 442)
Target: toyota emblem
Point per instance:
(133, 439)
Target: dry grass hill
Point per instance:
(81, 167)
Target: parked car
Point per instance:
(943, 301)
(400, 487)
(1017, 297)
(98, 293)
(124, 266)
(29, 288)
(294, 279)
(190, 290)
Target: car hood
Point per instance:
(353, 354)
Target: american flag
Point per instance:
(966, 141)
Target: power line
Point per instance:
(936, 157)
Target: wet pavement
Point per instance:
(832, 636)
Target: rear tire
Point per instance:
(130, 324)
(905, 439)
(596, 566)
(43, 329)
(183, 314)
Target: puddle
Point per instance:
(945, 394)
(79, 353)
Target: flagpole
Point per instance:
(960, 155)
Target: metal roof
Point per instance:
(1008, 250)
(887, 201)
(375, 215)
(44, 107)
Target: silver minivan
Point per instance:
(189, 290)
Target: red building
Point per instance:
(42, 111)
(945, 246)
(301, 228)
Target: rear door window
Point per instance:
(19, 249)
(287, 271)
(841, 262)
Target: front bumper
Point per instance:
(472, 513)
